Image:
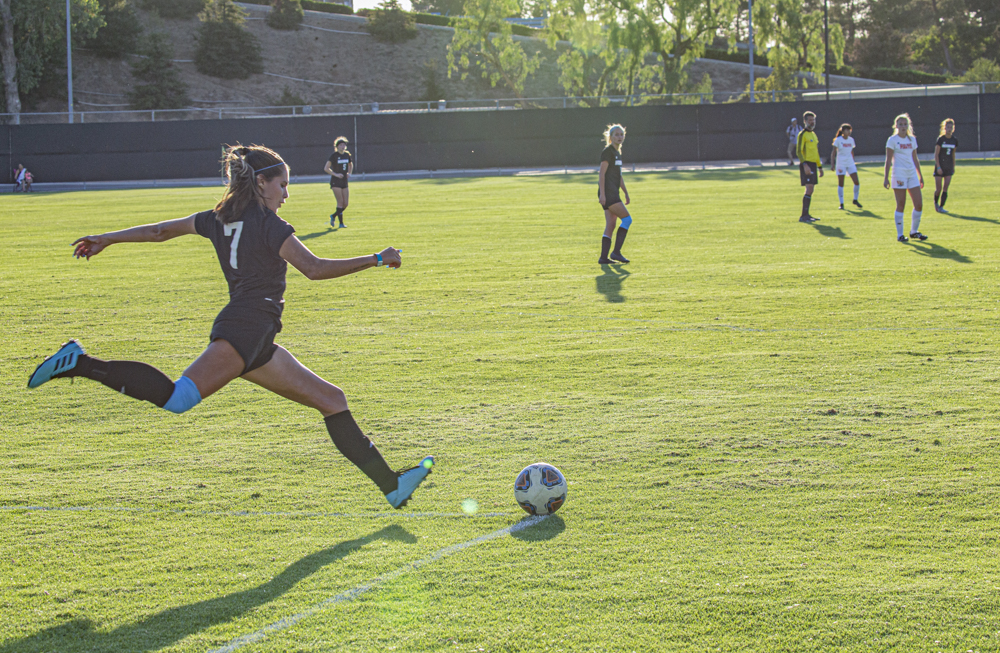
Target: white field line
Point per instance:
(351, 594)
(249, 513)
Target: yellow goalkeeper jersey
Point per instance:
(808, 147)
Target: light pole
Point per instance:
(826, 47)
(750, 20)
(69, 62)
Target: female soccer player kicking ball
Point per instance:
(254, 247)
(901, 156)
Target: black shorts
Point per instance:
(808, 173)
(250, 331)
(946, 170)
(610, 198)
(338, 183)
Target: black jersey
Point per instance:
(613, 176)
(339, 162)
(248, 253)
(947, 154)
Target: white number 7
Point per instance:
(229, 230)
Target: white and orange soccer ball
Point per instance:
(540, 489)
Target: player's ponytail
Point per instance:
(242, 165)
(945, 122)
(840, 132)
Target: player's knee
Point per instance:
(185, 396)
(333, 400)
(626, 222)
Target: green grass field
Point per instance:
(778, 436)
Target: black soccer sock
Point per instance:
(806, 199)
(356, 447)
(620, 239)
(340, 214)
(937, 196)
(944, 198)
(137, 380)
(605, 246)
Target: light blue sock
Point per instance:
(185, 396)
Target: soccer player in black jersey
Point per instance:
(610, 181)
(339, 167)
(253, 246)
(944, 163)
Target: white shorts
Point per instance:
(849, 169)
(905, 183)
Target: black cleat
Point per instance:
(604, 261)
(807, 219)
(857, 204)
(617, 256)
(903, 239)
(841, 207)
(916, 235)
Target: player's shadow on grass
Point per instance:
(971, 218)
(168, 627)
(865, 213)
(550, 527)
(609, 282)
(317, 234)
(925, 248)
(830, 232)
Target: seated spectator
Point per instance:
(19, 177)
(26, 184)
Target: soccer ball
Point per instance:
(540, 489)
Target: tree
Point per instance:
(225, 49)
(184, 9)
(8, 58)
(796, 28)
(390, 24)
(120, 33)
(443, 7)
(285, 14)
(983, 70)
(483, 41)
(161, 87)
(39, 37)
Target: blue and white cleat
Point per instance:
(59, 362)
(408, 482)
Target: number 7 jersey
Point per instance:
(247, 249)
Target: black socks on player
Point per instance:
(605, 247)
(340, 214)
(619, 239)
(944, 198)
(806, 199)
(356, 447)
(137, 380)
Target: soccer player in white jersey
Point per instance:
(901, 157)
(843, 148)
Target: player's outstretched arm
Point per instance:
(316, 268)
(148, 233)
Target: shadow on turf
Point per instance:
(550, 527)
(168, 627)
(609, 282)
(970, 218)
(830, 232)
(317, 234)
(925, 248)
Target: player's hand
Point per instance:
(601, 199)
(886, 182)
(89, 246)
(627, 200)
(391, 257)
(821, 171)
(921, 183)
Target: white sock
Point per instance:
(857, 189)
(840, 193)
(915, 217)
(899, 223)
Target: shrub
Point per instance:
(982, 70)
(120, 34)
(390, 24)
(225, 49)
(906, 76)
(285, 14)
(290, 99)
(161, 86)
(328, 7)
(185, 9)
(432, 19)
